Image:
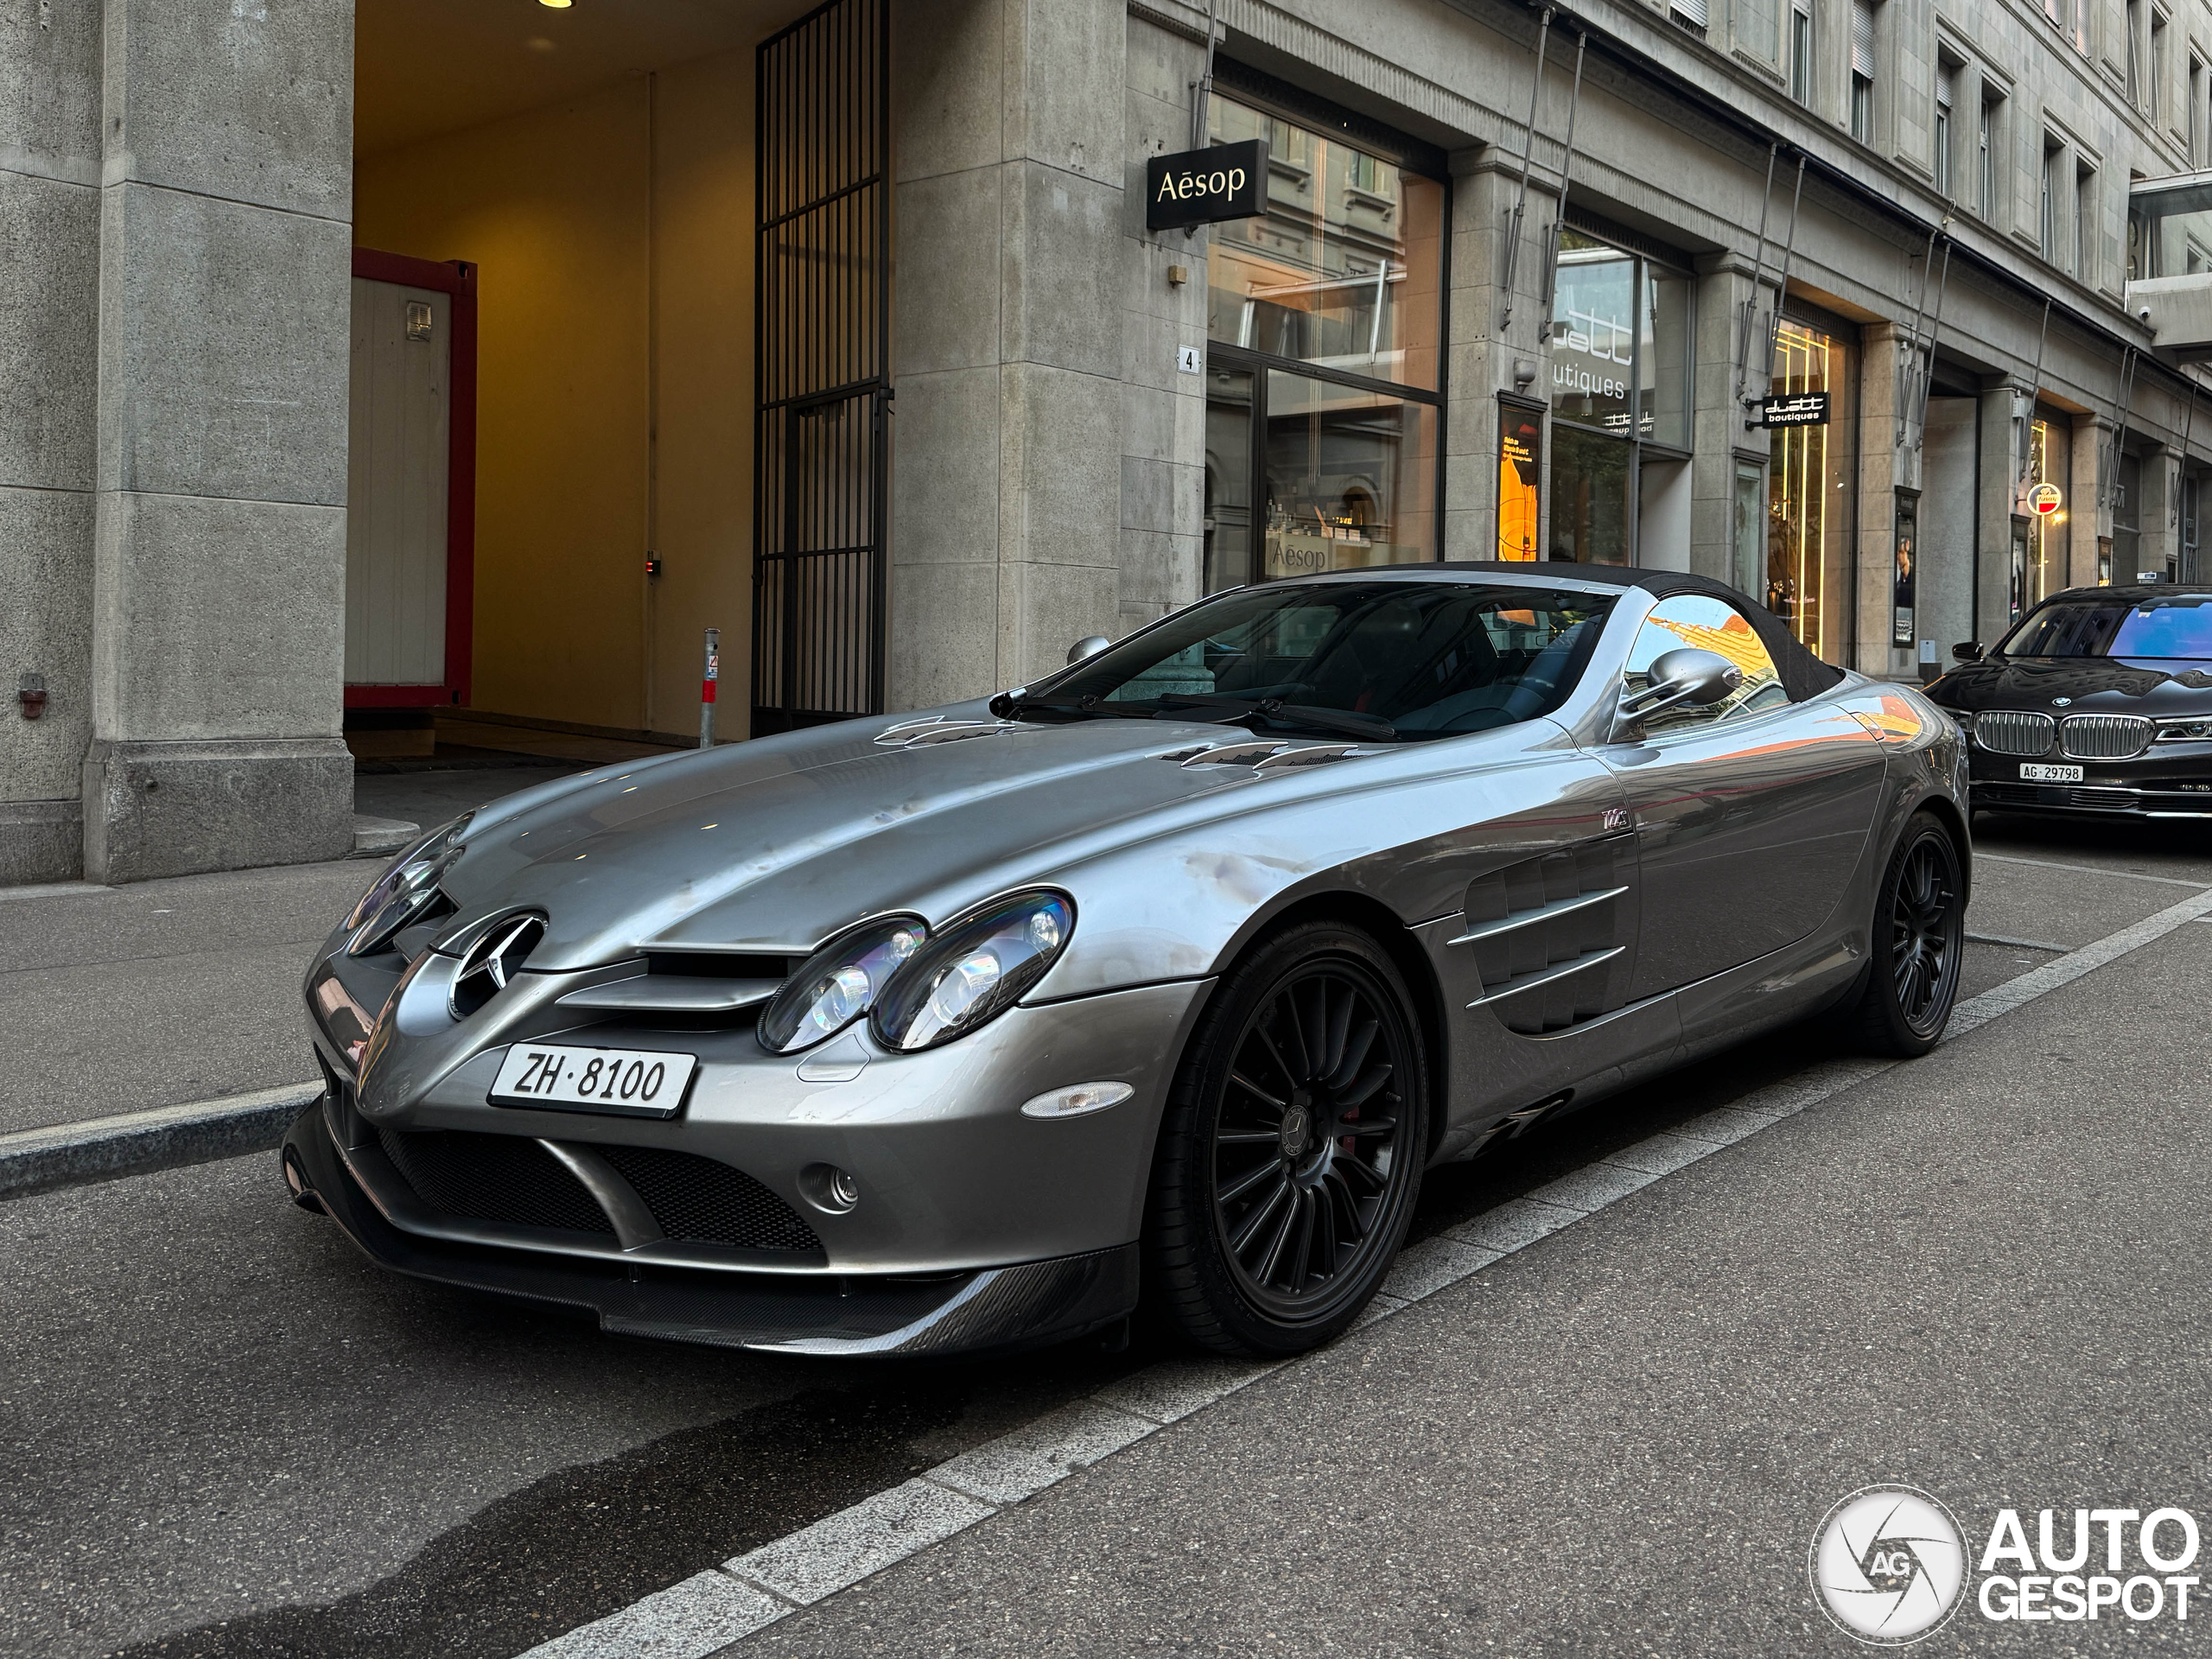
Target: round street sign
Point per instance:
(2045, 499)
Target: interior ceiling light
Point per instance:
(557, 6)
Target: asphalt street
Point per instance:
(1979, 1273)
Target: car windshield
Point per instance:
(1362, 660)
(2179, 627)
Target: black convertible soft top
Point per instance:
(1803, 675)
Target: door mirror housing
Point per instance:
(1967, 650)
(1684, 675)
(1089, 645)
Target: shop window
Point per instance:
(1519, 480)
(1620, 386)
(2128, 517)
(1806, 548)
(2043, 572)
(1904, 572)
(1325, 320)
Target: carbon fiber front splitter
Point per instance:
(1024, 1306)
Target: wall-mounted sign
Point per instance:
(1199, 187)
(1797, 408)
(2045, 499)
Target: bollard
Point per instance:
(707, 688)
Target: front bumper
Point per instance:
(832, 1314)
(2169, 781)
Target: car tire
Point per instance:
(1917, 941)
(1265, 1234)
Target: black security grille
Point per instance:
(823, 325)
(703, 1200)
(504, 1178)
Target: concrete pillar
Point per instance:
(1014, 268)
(1719, 435)
(1483, 363)
(2158, 514)
(2088, 514)
(220, 539)
(1880, 476)
(2006, 406)
(1950, 463)
(49, 226)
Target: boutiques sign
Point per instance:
(1199, 187)
(1797, 408)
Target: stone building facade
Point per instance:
(1960, 243)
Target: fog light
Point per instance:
(829, 1188)
(1076, 1100)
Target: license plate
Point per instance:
(627, 1082)
(2032, 773)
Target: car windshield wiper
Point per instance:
(1276, 712)
(1066, 702)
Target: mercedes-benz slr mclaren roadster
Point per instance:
(1169, 973)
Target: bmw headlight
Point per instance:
(978, 968)
(2185, 730)
(835, 985)
(406, 890)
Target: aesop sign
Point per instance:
(1201, 186)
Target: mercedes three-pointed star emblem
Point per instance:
(493, 960)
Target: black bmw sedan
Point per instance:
(2100, 701)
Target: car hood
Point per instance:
(2091, 685)
(772, 846)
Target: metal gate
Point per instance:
(821, 351)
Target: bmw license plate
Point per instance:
(2032, 773)
(627, 1082)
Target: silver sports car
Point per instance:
(1170, 973)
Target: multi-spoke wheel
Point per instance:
(1293, 1146)
(1918, 937)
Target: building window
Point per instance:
(1947, 85)
(2195, 110)
(2133, 71)
(1808, 541)
(2054, 156)
(1519, 479)
(1325, 319)
(1621, 401)
(1800, 53)
(2154, 90)
(1985, 144)
(2085, 223)
(1862, 71)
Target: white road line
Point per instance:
(711, 1610)
(2085, 869)
(2017, 944)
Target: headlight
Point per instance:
(406, 890)
(977, 969)
(835, 985)
(2193, 730)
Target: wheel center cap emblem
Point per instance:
(1294, 1124)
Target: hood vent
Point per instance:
(1266, 755)
(686, 982)
(916, 734)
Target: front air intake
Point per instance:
(502, 1178)
(703, 1200)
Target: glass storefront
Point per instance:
(1519, 480)
(1620, 398)
(1808, 540)
(1324, 322)
(2039, 548)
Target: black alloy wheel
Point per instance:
(1293, 1146)
(1918, 941)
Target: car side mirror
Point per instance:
(1685, 675)
(1089, 645)
(1967, 650)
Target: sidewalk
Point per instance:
(159, 994)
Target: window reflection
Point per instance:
(1348, 478)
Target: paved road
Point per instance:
(230, 1437)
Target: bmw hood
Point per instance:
(2090, 685)
(772, 846)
